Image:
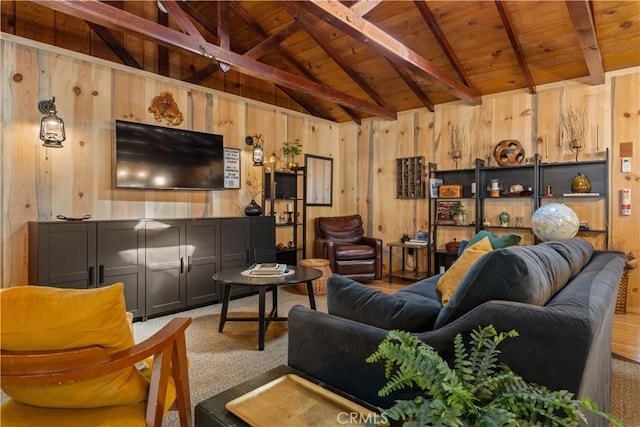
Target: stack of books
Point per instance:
(416, 242)
(268, 269)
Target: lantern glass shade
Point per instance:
(51, 126)
(258, 154)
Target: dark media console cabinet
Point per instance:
(166, 265)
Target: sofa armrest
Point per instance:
(325, 248)
(334, 350)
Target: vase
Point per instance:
(460, 218)
(580, 184)
(504, 219)
(253, 209)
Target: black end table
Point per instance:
(229, 278)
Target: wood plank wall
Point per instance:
(39, 183)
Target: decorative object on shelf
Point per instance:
(163, 107)
(51, 126)
(253, 209)
(508, 152)
(574, 123)
(456, 136)
(291, 149)
(495, 188)
(452, 246)
(504, 218)
(443, 212)
(258, 151)
(486, 222)
(580, 184)
(548, 191)
(459, 214)
(450, 191)
(554, 221)
(519, 221)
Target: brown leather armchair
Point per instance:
(341, 240)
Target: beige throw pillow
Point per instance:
(448, 282)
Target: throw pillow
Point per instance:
(497, 242)
(407, 311)
(448, 282)
(46, 318)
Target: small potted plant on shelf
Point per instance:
(291, 149)
(459, 214)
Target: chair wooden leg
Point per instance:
(181, 377)
(158, 386)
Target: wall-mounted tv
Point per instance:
(157, 157)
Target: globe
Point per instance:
(554, 221)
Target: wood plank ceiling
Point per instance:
(345, 61)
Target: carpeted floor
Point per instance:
(221, 360)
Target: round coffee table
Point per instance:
(229, 278)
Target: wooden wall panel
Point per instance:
(625, 230)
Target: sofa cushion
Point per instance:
(577, 252)
(345, 252)
(46, 318)
(497, 242)
(527, 274)
(449, 281)
(407, 311)
(341, 229)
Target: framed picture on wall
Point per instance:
(231, 168)
(443, 212)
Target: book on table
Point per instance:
(268, 269)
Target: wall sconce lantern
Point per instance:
(51, 126)
(258, 152)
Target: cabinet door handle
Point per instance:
(248, 256)
(91, 271)
(181, 265)
(101, 274)
(189, 263)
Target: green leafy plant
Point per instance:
(458, 208)
(292, 148)
(476, 391)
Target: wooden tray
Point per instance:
(293, 401)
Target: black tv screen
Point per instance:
(157, 157)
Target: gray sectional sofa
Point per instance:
(559, 296)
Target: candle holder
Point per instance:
(290, 218)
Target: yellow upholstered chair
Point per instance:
(68, 359)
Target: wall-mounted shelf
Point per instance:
(410, 177)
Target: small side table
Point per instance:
(412, 274)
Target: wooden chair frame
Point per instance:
(167, 346)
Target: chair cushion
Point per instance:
(449, 281)
(46, 318)
(527, 274)
(345, 252)
(341, 229)
(352, 300)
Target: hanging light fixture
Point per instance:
(51, 126)
(258, 151)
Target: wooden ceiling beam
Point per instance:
(344, 19)
(274, 42)
(515, 45)
(294, 11)
(582, 17)
(406, 76)
(114, 44)
(117, 19)
(183, 20)
(441, 38)
(363, 7)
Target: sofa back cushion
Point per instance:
(340, 229)
(526, 274)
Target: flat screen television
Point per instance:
(157, 157)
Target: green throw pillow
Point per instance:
(497, 242)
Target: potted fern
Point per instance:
(291, 149)
(476, 391)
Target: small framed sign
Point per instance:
(443, 212)
(231, 168)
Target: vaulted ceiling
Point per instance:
(348, 60)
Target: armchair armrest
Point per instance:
(377, 244)
(325, 248)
